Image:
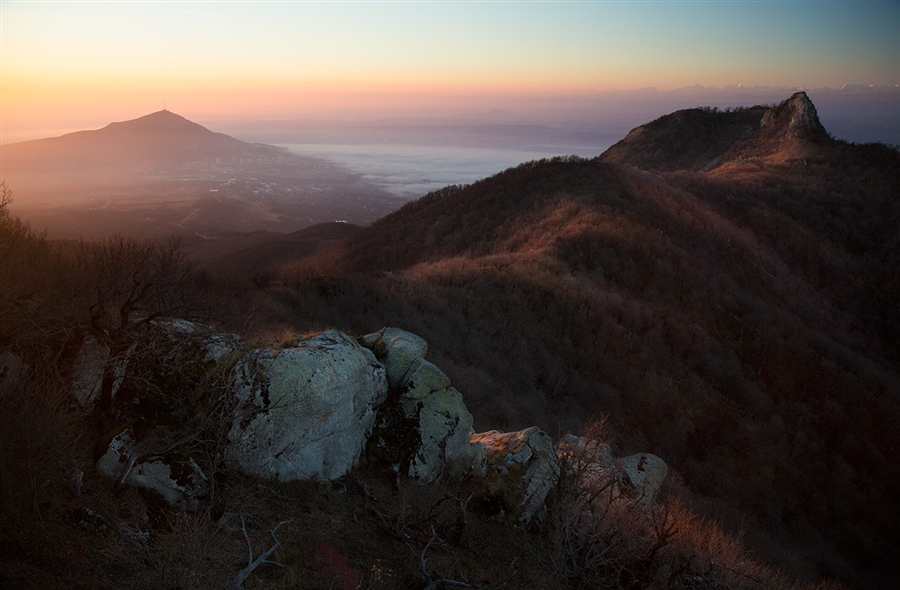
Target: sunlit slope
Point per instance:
(741, 322)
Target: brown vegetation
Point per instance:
(741, 323)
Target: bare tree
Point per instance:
(130, 285)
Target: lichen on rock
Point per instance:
(522, 468)
(305, 412)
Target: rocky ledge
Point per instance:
(311, 411)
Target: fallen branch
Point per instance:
(252, 564)
(435, 584)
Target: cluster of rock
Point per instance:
(310, 411)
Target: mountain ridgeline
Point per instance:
(719, 289)
(721, 285)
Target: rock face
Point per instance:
(178, 479)
(796, 117)
(444, 426)
(522, 468)
(398, 350)
(646, 473)
(305, 412)
(425, 424)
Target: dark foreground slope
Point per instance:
(731, 307)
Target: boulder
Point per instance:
(522, 468)
(398, 350)
(192, 343)
(578, 453)
(305, 412)
(215, 345)
(87, 371)
(155, 466)
(637, 477)
(444, 425)
(645, 474)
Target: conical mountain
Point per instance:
(155, 141)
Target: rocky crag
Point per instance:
(311, 411)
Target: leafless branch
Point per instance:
(252, 564)
(435, 584)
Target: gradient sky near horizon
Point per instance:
(76, 65)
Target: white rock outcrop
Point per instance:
(398, 350)
(305, 412)
(154, 466)
(444, 426)
(522, 468)
(646, 473)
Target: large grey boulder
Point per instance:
(444, 426)
(157, 466)
(398, 350)
(522, 468)
(305, 412)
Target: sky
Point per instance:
(68, 65)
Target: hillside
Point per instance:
(731, 306)
(728, 305)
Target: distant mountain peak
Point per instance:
(795, 118)
(159, 141)
(707, 138)
(163, 121)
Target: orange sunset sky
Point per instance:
(77, 65)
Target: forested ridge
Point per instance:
(740, 321)
(719, 289)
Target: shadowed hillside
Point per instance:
(732, 307)
(718, 289)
